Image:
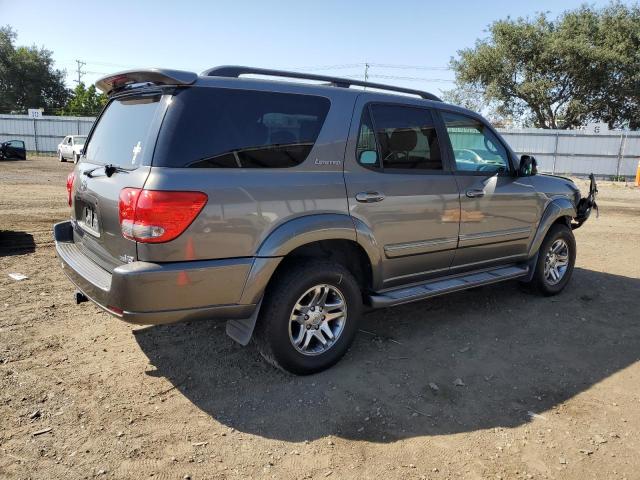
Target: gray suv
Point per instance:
(286, 208)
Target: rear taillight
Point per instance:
(155, 216)
(70, 179)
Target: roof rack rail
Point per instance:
(235, 71)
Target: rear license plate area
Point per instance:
(88, 220)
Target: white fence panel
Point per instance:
(578, 152)
(560, 151)
(43, 134)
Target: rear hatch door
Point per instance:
(117, 155)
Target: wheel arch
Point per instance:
(559, 210)
(342, 229)
(328, 236)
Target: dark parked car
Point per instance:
(287, 208)
(13, 150)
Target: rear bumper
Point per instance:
(157, 293)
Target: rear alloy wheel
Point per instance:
(556, 259)
(318, 319)
(76, 158)
(60, 157)
(309, 317)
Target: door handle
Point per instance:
(369, 197)
(475, 193)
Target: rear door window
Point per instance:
(223, 128)
(406, 139)
(123, 136)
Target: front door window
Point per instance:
(475, 147)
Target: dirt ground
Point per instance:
(551, 386)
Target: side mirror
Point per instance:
(368, 157)
(528, 166)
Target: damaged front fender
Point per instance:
(586, 204)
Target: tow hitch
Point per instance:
(586, 205)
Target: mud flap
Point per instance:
(586, 205)
(241, 330)
(531, 264)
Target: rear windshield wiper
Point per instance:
(109, 170)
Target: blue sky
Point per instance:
(393, 36)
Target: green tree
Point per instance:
(583, 66)
(467, 96)
(28, 78)
(85, 101)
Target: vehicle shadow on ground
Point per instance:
(16, 243)
(515, 353)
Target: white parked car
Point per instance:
(70, 148)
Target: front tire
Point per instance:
(309, 317)
(556, 259)
(60, 157)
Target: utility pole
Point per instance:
(79, 71)
(366, 73)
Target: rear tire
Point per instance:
(556, 259)
(76, 159)
(291, 342)
(60, 157)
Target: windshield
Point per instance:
(123, 136)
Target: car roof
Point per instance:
(232, 77)
(329, 91)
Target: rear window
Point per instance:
(123, 135)
(222, 128)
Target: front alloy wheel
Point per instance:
(556, 258)
(556, 262)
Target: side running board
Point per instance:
(440, 286)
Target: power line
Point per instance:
(332, 67)
(408, 67)
(379, 65)
(419, 79)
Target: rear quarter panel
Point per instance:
(245, 205)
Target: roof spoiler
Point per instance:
(156, 76)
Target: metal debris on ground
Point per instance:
(531, 414)
(18, 276)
